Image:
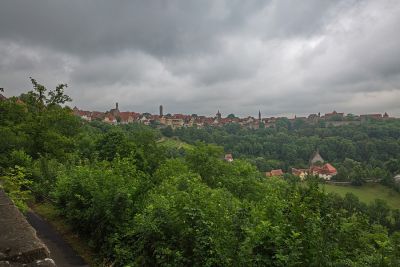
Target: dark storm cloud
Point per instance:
(158, 27)
(282, 57)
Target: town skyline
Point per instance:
(177, 120)
(266, 115)
(224, 114)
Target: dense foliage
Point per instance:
(360, 152)
(141, 204)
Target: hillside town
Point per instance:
(115, 116)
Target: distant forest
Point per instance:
(138, 203)
(359, 152)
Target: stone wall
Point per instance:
(19, 245)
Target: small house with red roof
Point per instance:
(97, 115)
(277, 172)
(334, 115)
(302, 173)
(110, 119)
(228, 157)
(366, 117)
(326, 172)
(127, 117)
(85, 115)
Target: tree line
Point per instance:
(359, 152)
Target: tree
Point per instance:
(39, 97)
(38, 94)
(57, 96)
(393, 165)
(379, 212)
(15, 184)
(114, 143)
(350, 117)
(183, 223)
(283, 123)
(167, 131)
(206, 161)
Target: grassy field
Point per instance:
(368, 193)
(173, 143)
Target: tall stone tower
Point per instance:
(259, 115)
(161, 111)
(115, 111)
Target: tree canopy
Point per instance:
(141, 204)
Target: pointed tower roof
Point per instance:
(218, 115)
(316, 157)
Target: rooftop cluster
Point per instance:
(115, 116)
(317, 167)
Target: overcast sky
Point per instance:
(282, 57)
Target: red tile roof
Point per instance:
(180, 116)
(298, 172)
(325, 169)
(97, 115)
(375, 116)
(277, 172)
(334, 113)
(110, 117)
(125, 116)
(329, 168)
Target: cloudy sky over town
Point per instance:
(282, 57)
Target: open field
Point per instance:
(173, 143)
(368, 193)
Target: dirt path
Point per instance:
(60, 251)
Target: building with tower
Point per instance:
(218, 115)
(115, 111)
(386, 116)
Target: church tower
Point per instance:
(115, 111)
(259, 115)
(218, 115)
(161, 111)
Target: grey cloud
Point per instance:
(286, 18)
(199, 56)
(158, 27)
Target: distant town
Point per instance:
(115, 116)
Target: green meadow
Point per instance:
(368, 193)
(173, 143)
